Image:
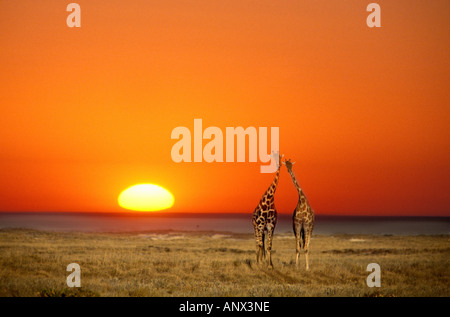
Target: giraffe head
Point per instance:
(288, 164)
(277, 157)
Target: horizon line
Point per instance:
(207, 214)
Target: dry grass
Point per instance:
(33, 263)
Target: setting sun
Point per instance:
(146, 197)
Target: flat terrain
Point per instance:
(33, 263)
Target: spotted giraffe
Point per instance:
(303, 218)
(265, 218)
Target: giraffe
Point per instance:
(265, 218)
(303, 218)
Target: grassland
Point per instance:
(33, 263)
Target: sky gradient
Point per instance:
(87, 112)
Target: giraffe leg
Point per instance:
(263, 249)
(297, 249)
(259, 245)
(297, 243)
(270, 231)
(306, 247)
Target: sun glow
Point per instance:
(146, 197)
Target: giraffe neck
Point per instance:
(294, 180)
(274, 184)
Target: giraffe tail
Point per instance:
(302, 235)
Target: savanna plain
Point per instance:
(169, 263)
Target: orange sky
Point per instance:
(364, 112)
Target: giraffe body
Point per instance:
(302, 219)
(265, 219)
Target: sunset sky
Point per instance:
(364, 112)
